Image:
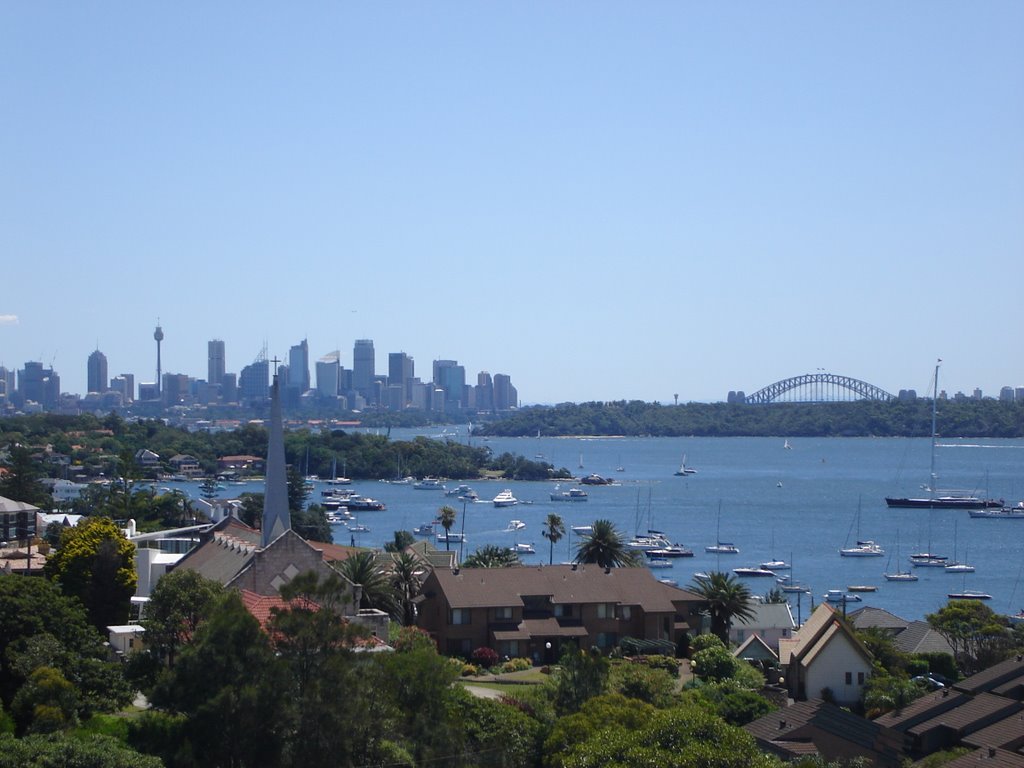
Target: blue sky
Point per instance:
(604, 200)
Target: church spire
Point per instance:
(276, 517)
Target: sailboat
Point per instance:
(786, 445)
(721, 547)
(956, 566)
(335, 480)
(941, 499)
(864, 547)
(685, 470)
(788, 583)
(897, 575)
(775, 564)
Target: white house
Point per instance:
(824, 654)
(771, 622)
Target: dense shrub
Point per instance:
(516, 665)
(485, 657)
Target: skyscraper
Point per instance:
(328, 370)
(97, 372)
(401, 372)
(214, 361)
(363, 368)
(298, 367)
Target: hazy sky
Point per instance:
(603, 200)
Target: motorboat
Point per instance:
(793, 587)
(595, 479)
(969, 594)
(1003, 513)
(462, 492)
(775, 565)
(839, 596)
(861, 588)
(573, 494)
(424, 529)
(756, 572)
(524, 549)
(959, 568)
(449, 537)
(515, 525)
(334, 518)
(505, 499)
(928, 560)
(358, 528)
(653, 540)
(364, 504)
(428, 484)
(671, 551)
(659, 562)
(582, 530)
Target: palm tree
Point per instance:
(364, 569)
(727, 599)
(554, 530)
(405, 580)
(604, 546)
(447, 517)
(492, 556)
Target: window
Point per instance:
(563, 610)
(459, 616)
(849, 678)
(606, 639)
(625, 613)
(860, 678)
(508, 648)
(606, 610)
(503, 613)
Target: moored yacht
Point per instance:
(505, 499)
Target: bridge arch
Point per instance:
(818, 388)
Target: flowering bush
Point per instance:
(485, 657)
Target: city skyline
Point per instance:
(397, 365)
(610, 202)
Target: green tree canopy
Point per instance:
(727, 598)
(979, 637)
(181, 601)
(604, 546)
(96, 564)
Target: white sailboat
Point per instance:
(685, 470)
(898, 575)
(863, 547)
(721, 547)
(956, 566)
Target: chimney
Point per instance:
(455, 571)
(782, 724)
(574, 566)
(607, 569)
(991, 751)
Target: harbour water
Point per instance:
(796, 503)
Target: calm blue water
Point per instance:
(805, 520)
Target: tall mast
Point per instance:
(935, 402)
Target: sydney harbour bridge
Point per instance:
(814, 388)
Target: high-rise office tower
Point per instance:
(363, 368)
(401, 372)
(328, 370)
(451, 377)
(505, 395)
(97, 372)
(214, 361)
(484, 391)
(298, 367)
(158, 336)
